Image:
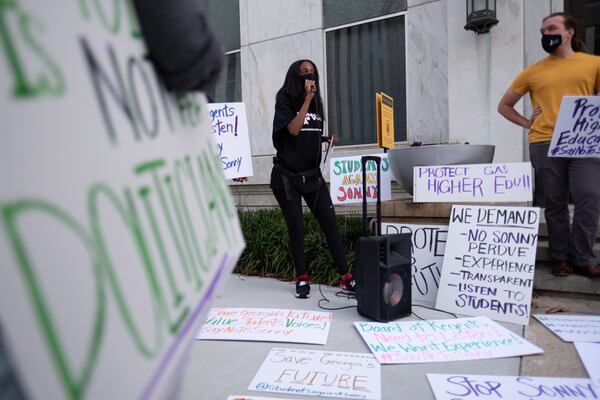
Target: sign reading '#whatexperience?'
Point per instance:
(116, 224)
(266, 324)
(489, 262)
(577, 129)
(346, 185)
(473, 183)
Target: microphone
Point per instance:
(313, 88)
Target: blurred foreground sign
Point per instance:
(116, 225)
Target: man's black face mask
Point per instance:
(551, 42)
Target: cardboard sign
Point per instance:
(384, 105)
(428, 246)
(230, 131)
(319, 373)
(441, 340)
(489, 262)
(510, 182)
(573, 328)
(345, 174)
(577, 129)
(116, 224)
(590, 357)
(266, 324)
(471, 387)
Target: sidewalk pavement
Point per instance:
(217, 369)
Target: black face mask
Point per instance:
(308, 77)
(551, 42)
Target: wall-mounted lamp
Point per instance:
(481, 15)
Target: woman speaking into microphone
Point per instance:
(297, 137)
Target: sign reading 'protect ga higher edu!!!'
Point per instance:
(577, 130)
(117, 228)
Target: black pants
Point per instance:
(320, 205)
(579, 177)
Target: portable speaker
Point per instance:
(383, 277)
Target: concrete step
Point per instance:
(544, 280)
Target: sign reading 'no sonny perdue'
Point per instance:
(577, 130)
(489, 262)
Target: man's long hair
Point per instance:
(570, 23)
(293, 87)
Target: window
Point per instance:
(587, 14)
(362, 60)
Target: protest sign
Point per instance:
(473, 183)
(319, 373)
(243, 397)
(230, 132)
(428, 245)
(577, 129)
(441, 340)
(590, 357)
(470, 387)
(116, 224)
(573, 328)
(489, 262)
(345, 174)
(266, 324)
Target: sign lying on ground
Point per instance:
(345, 174)
(243, 397)
(319, 373)
(590, 357)
(473, 183)
(573, 328)
(441, 340)
(266, 324)
(230, 131)
(428, 246)
(477, 387)
(489, 262)
(116, 224)
(577, 129)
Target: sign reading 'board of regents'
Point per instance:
(577, 130)
(346, 185)
(319, 373)
(428, 245)
(489, 262)
(573, 328)
(266, 324)
(473, 183)
(230, 131)
(477, 387)
(116, 225)
(441, 340)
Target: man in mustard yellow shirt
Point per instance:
(567, 71)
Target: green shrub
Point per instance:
(267, 250)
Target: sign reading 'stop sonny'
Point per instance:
(577, 129)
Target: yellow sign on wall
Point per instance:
(385, 120)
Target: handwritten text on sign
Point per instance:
(319, 373)
(116, 225)
(577, 129)
(266, 324)
(346, 180)
(428, 245)
(573, 328)
(471, 387)
(230, 131)
(489, 262)
(441, 340)
(473, 183)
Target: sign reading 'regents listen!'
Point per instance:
(473, 183)
(489, 262)
(577, 130)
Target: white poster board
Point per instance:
(590, 357)
(573, 328)
(244, 397)
(489, 262)
(477, 387)
(577, 129)
(230, 131)
(428, 246)
(319, 373)
(117, 225)
(509, 182)
(406, 342)
(345, 174)
(266, 324)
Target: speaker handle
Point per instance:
(377, 161)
